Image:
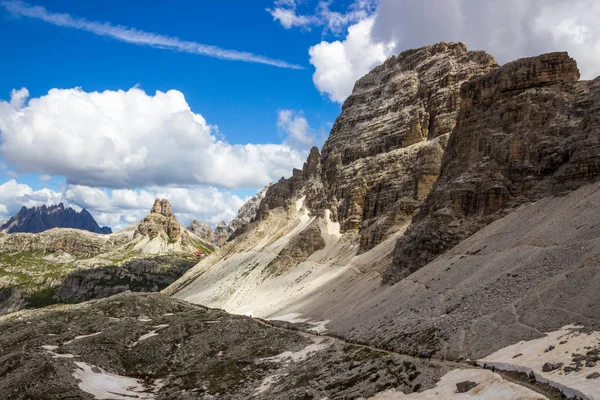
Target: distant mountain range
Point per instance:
(39, 219)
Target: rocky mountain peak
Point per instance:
(160, 221)
(384, 151)
(162, 207)
(40, 219)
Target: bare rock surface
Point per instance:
(528, 130)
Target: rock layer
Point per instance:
(525, 131)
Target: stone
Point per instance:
(463, 387)
(160, 221)
(593, 375)
(162, 207)
(547, 367)
(384, 152)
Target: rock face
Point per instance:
(525, 131)
(137, 275)
(160, 221)
(162, 207)
(247, 212)
(40, 219)
(298, 249)
(202, 230)
(384, 151)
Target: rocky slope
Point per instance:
(349, 204)
(370, 207)
(34, 266)
(40, 219)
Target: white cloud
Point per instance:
(128, 139)
(288, 18)
(44, 178)
(122, 207)
(339, 64)
(14, 195)
(507, 29)
(333, 21)
(294, 126)
(136, 36)
(18, 97)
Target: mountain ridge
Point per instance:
(42, 218)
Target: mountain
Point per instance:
(40, 219)
(71, 265)
(223, 231)
(344, 210)
(451, 213)
(445, 240)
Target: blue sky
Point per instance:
(106, 105)
(241, 98)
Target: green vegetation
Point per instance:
(30, 268)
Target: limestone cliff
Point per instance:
(333, 223)
(385, 149)
(525, 131)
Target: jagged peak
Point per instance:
(162, 207)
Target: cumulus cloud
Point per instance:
(286, 13)
(122, 207)
(339, 64)
(14, 195)
(294, 126)
(507, 29)
(136, 36)
(128, 139)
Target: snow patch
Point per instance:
(82, 337)
(150, 334)
(104, 385)
(300, 355)
(266, 383)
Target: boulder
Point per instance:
(463, 387)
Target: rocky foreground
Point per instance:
(149, 346)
